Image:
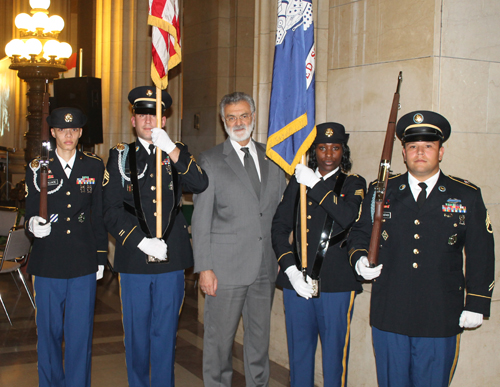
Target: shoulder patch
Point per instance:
(463, 181)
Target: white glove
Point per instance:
(100, 272)
(303, 288)
(153, 246)
(470, 319)
(161, 140)
(306, 176)
(39, 227)
(364, 270)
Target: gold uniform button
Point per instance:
(68, 193)
(455, 225)
(152, 175)
(68, 232)
(154, 214)
(154, 200)
(69, 206)
(307, 230)
(310, 203)
(417, 222)
(415, 251)
(308, 216)
(415, 265)
(153, 188)
(416, 236)
(67, 219)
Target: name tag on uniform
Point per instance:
(387, 215)
(52, 182)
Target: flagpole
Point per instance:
(159, 214)
(303, 224)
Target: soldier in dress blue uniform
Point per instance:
(66, 252)
(151, 292)
(333, 201)
(418, 309)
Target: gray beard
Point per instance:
(248, 131)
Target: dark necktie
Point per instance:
(67, 167)
(422, 195)
(151, 158)
(251, 170)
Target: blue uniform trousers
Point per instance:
(151, 304)
(64, 308)
(330, 317)
(404, 361)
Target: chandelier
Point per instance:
(38, 42)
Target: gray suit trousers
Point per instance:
(222, 315)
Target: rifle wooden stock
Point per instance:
(383, 176)
(44, 158)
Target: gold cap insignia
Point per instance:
(418, 118)
(149, 93)
(329, 132)
(68, 117)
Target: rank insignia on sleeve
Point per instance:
(53, 218)
(489, 227)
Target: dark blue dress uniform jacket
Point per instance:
(336, 273)
(78, 240)
(125, 227)
(420, 291)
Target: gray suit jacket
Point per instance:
(231, 228)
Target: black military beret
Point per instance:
(423, 125)
(143, 100)
(67, 117)
(331, 133)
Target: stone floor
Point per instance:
(18, 356)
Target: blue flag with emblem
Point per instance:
(292, 109)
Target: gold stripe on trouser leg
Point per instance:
(347, 335)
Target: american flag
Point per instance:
(164, 17)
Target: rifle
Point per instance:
(383, 176)
(44, 158)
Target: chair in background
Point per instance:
(8, 218)
(17, 248)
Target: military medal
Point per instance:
(81, 217)
(462, 220)
(85, 183)
(454, 205)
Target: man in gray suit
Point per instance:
(231, 229)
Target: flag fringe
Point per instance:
(159, 82)
(169, 28)
(284, 133)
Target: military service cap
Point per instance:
(331, 133)
(143, 100)
(67, 117)
(423, 125)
